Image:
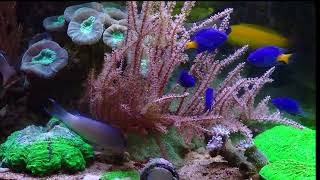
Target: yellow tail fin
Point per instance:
(191, 45)
(284, 58)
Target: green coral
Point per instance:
(60, 20)
(117, 36)
(43, 151)
(45, 57)
(288, 170)
(87, 25)
(285, 142)
(134, 175)
(173, 143)
(290, 150)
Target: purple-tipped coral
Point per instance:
(54, 23)
(86, 26)
(44, 58)
(70, 11)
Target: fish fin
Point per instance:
(284, 58)
(191, 45)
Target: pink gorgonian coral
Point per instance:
(122, 96)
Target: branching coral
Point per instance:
(123, 97)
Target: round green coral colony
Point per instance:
(112, 175)
(43, 151)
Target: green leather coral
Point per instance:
(291, 152)
(288, 170)
(43, 151)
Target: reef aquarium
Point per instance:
(157, 90)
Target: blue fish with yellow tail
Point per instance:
(288, 105)
(186, 80)
(269, 56)
(93, 131)
(207, 39)
(209, 96)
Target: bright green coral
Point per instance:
(285, 142)
(112, 175)
(43, 151)
(291, 152)
(87, 25)
(288, 170)
(46, 56)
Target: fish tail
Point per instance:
(55, 110)
(286, 58)
(191, 45)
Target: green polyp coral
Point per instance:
(60, 20)
(42, 150)
(45, 57)
(113, 175)
(87, 25)
(288, 170)
(117, 37)
(144, 66)
(291, 152)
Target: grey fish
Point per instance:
(93, 131)
(6, 70)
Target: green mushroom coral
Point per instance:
(43, 151)
(291, 152)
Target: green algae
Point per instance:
(291, 152)
(45, 57)
(134, 175)
(87, 25)
(43, 151)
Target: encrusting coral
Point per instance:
(44, 150)
(121, 96)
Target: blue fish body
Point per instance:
(208, 39)
(265, 56)
(288, 105)
(186, 80)
(209, 96)
(93, 131)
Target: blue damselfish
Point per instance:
(209, 96)
(207, 39)
(186, 80)
(269, 56)
(288, 105)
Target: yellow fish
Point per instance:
(256, 36)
